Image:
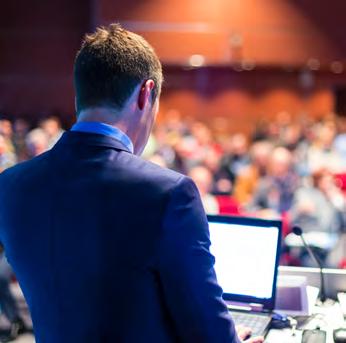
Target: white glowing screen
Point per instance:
(245, 258)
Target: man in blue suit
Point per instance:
(108, 247)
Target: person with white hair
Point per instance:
(37, 142)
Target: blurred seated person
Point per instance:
(7, 157)
(339, 143)
(236, 157)
(275, 191)
(7, 132)
(319, 210)
(195, 147)
(247, 181)
(168, 144)
(8, 304)
(221, 184)
(20, 130)
(52, 127)
(37, 142)
(291, 137)
(203, 179)
(321, 153)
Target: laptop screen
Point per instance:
(246, 252)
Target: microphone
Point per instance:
(299, 232)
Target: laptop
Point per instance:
(247, 252)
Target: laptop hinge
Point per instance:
(248, 307)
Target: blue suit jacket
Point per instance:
(110, 248)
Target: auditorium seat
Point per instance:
(341, 181)
(228, 205)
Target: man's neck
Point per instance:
(103, 115)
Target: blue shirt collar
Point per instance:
(104, 129)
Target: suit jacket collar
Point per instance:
(103, 129)
(93, 139)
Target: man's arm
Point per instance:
(186, 268)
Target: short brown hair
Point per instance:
(110, 64)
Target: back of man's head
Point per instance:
(110, 64)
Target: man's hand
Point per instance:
(244, 332)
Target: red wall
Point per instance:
(39, 39)
(266, 31)
(239, 100)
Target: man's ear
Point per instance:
(145, 93)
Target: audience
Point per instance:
(275, 190)
(7, 132)
(285, 168)
(37, 142)
(319, 206)
(21, 129)
(319, 209)
(8, 304)
(236, 159)
(203, 179)
(7, 157)
(247, 182)
(52, 127)
(321, 153)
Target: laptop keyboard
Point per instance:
(256, 322)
